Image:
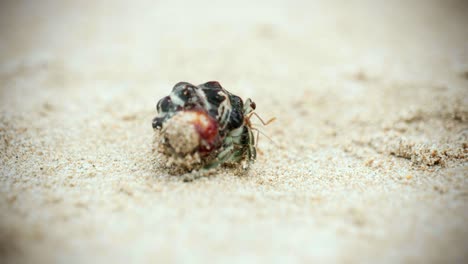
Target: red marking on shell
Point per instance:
(207, 128)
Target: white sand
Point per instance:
(372, 108)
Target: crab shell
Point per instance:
(204, 126)
(224, 107)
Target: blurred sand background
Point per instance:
(371, 99)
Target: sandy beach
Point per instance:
(368, 157)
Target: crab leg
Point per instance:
(222, 157)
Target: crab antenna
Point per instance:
(258, 131)
(256, 140)
(261, 120)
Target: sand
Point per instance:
(368, 163)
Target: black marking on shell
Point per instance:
(236, 118)
(165, 105)
(187, 94)
(213, 85)
(214, 99)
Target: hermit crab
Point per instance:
(205, 126)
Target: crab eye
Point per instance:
(253, 105)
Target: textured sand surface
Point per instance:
(371, 100)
